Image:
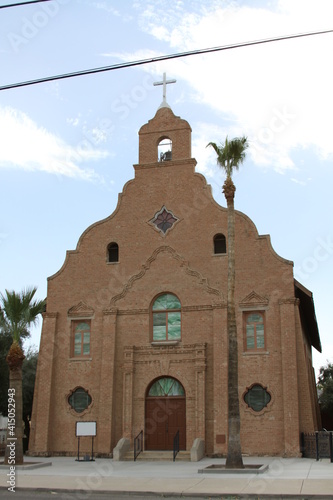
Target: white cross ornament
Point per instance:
(164, 82)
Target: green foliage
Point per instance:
(325, 386)
(29, 368)
(231, 154)
(18, 311)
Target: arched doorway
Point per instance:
(165, 414)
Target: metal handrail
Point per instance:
(138, 445)
(175, 445)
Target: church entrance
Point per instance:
(165, 414)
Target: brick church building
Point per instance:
(134, 335)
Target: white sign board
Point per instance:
(85, 429)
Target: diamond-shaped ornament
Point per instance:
(164, 220)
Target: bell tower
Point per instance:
(166, 137)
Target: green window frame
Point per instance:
(254, 325)
(166, 318)
(81, 331)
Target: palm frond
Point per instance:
(231, 154)
(18, 311)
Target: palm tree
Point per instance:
(229, 156)
(18, 311)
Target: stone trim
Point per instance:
(81, 310)
(183, 263)
(254, 300)
(170, 163)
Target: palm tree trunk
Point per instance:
(234, 454)
(14, 444)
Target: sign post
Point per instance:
(85, 429)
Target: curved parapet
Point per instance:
(90, 228)
(249, 222)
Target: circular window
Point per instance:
(79, 400)
(257, 397)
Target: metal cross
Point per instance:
(164, 82)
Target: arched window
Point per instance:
(220, 245)
(79, 400)
(257, 397)
(166, 318)
(166, 386)
(165, 149)
(113, 252)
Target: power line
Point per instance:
(22, 3)
(155, 59)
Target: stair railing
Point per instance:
(175, 445)
(138, 445)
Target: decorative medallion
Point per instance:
(164, 220)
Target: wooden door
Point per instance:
(164, 417)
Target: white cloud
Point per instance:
(74, 121)
(107, 7)
(278, 94)
(296, 181)
(27, 146)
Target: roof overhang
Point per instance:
(308, 315)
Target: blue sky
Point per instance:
(68, 147)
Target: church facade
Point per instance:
(134, 335)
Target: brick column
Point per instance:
(289, 377)
(220, 381)
(105, 423)
(200, 368)
(41, 412)
(128, 392)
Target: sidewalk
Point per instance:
(304, 477)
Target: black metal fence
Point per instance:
(317, 445)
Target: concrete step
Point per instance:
(158, 456)
(183, 456)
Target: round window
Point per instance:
(79, 400)
(257, 397)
